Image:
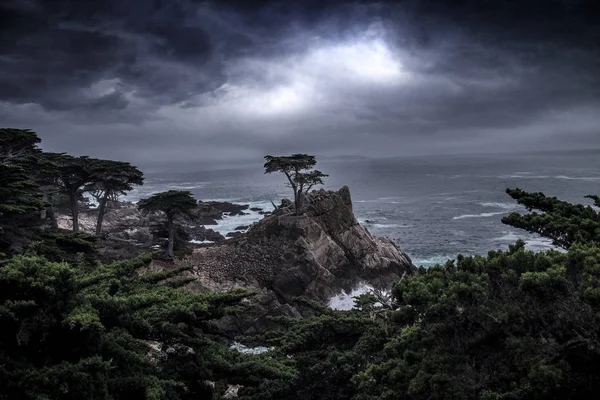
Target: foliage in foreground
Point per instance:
(511, 325)
(113, 333)
(561, 221)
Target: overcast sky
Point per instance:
(184, 80)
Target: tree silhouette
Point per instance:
(173, 203)
(298, 169)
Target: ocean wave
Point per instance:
(566, 177)
(433, 260)
(377, 225)
(525, 176)
(223, 200)
(383, 226)
(229, 223)
(187, 185)
(385, 200)
(345, 300)
(536, 243)
(480, 215)
(506, 206)
(580, 178)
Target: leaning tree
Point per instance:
(73, 177)
(110, 179)
(173, 203)
(298, 169)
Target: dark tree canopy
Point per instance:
(73, 176)
(113, 333)
(172, 203)
(17, 144)
(20, 195)
(19, 192)
(563, 222)
(298, 169)
(110, 179)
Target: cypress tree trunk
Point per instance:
(101, 212)
(52, 216)
(297, 201)
(44, 211)
(50, 210)
(171, 236)
(74, 211)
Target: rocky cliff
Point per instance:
(317, 254)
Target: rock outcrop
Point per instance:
(126, 223)
(127, 232)
(316, 254)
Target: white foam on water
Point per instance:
(581, 178)
(383, 226)
(541, 244)
(345, 300)
(249, 350)
(506, 206)
(384, 200)
(480, 215)
(524, 176)
(187, 185)
(201, 241)
(527, 176)
(229, 223)
(433, 260)
(536, 243)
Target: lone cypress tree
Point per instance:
(173, 203)
(298, 169)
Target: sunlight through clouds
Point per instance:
(314, 78)
(367, 61)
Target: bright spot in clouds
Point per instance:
(368, 61)
(311, 79)
(278, 100)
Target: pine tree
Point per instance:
(173, 203)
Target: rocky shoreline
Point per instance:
(124, 222)
(315, 255)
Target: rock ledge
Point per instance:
(317, 254)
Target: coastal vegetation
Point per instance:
(511, 324)
(173, 203)
(298, 169)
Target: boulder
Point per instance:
(201, 233)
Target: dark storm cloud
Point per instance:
(53, 53)
(185, 79)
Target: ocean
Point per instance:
(433, 207)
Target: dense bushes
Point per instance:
(510, 325)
